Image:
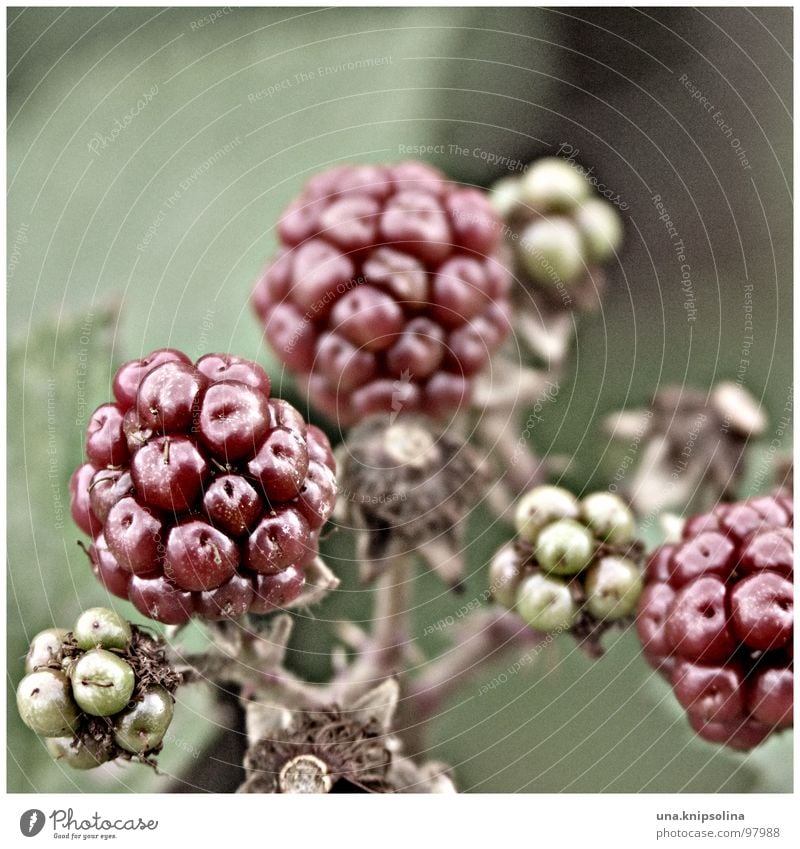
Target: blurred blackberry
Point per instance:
(387, 293)
(559, 232)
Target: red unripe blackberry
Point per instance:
(717, 618)
(203, 495)
(387, 292)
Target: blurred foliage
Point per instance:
(156, 232)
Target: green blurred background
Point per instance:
(150, 153)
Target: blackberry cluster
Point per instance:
(102, 691)
(203, 495)
(558, 231)
(575, 565)
(388, 292)
(717, 620)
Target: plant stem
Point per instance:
(384, 653)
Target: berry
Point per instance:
(83, 755)
(575, 566)
(609, 518)
(129, 376)
(552, 252)
(546, 603)
(198, 483)
(504, 576)
(107, 570)
(100, 627)
(564, 547)
(45, 649)
(553, 184)
(375, 281)
(281, 464)
(279, 541)
(762, 611)
(46, 705)
(142, 727)
(105, 441)
(541, 506)
(80, 505)
(168, 473)
(556, 232)
(200, 557)
(272, 592)
(159, 598)
(233, 504)
(133, 536)
(613, 586)
(717, 618)
(233, 420)
(169, 397)
(230, 600)
(108, 486)
(102, 682)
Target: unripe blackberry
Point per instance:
(102, 683)
(81, 755)
(575, 565)
(558, 231)
(45, 649)
(100, 627)
(217, 483)
(142, 726)
(46, 705)
(387, 292)
(103, 692)
(717, 620)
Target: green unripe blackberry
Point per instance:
(142, 726)
(602, 230)
(45, 649)
(613, 586)
(565, 547)
(102, 683)
(552, 251)
(504, 576)
(546, 603)
(608, 518)
(554, 185)
(46, 704)
(100, 627)
(541, 506)
(84, 755)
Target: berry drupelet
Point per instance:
(99, 692)
(717, 620)
(558, 230)
(388, 292)
(575, 565)
(203, 495)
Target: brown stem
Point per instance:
(384, 653)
